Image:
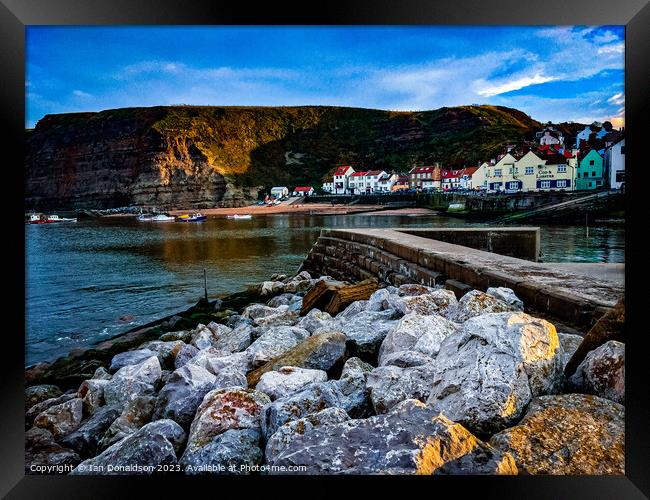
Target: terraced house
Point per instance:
(590, 173)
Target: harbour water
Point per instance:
(93, 279)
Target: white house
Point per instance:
(341, 179)
(279, 191)
(386, 182)
(615, 164)
(303, 191)
(328, 187)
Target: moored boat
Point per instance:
(194, 217)
(55, 218)
(162, 218)
(239, 216)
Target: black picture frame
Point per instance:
(16, 14)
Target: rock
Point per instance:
(217, 329)
(413, 290)
(222, 410)
(271, 288)
(232, 452)
(487, 372)
(61, 419)
(319, 352)
(216, 361)
(133, 381)
(376, 300)
(411, 439)
(283, 318)
(255, 311)
(405, 359)
(85, 439)
(230, 378)
(275, 342)
(570, 434)
(39, 393)
(286, 299)
(314, 320)
(611, 326)
(183, 335)
(39, 408)
(286, 433)
(202, 337)
(314, 398)
(506, 295)
(166, 351)
(186, 353)
(235, 340)
(352, 385)
(135, 414)
(353, 309)
(42, 451)
(390, 385)
(155, 444)
(476, 303)
(569, 343)
(435, 302)
(365, 332)
(237, 320)
(91, 393)
(288, 380)
(183, 393)
(602, 372)
(416, 332)
(101, 374)
(130, 358)
(298, 286)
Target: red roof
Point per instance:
(359, 174)
(342, 170)
(374, 172)
(470, 170)
(450, 174)
(421, 170)
(303, 188)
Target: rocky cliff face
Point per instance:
(203, 156)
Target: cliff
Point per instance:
(204, 156)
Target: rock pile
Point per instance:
(408, 381)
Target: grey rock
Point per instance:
(365, 332)
(202, 337)
(275, 342)
(156, 443)
(186, 353)
(39, 408)
(602, 372)
(129, 358)
(41, 450)
(314, 320)
(569, 343)
(376, 300)
(476, 303)
(413, 290)
(405, 359)
(237, 320)
(434, 302)
(235, 340)
(506, 295)
(101, 374)
(487, 372)
(217, 361)
(286, 299)
(288, 380)
(233, 452)
(353, 309)
(390, 385)
(135, 414)
(184, 335)
(230, 378)
(286, 433)
(284, 317)
(61, 419)
(355, 398)
(411, 439)
(85, 439)
(133, 381)
(91, 393)
(179, 399)
(39, 393)
(166, 351)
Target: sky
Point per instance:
(552, 73)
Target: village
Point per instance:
(594, 161)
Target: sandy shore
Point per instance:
(307, 208)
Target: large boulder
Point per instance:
(41, 451)
(411, 439)
(202, 337)
(314, 320)
(186, 353)
(39, 408)
(135, 414)
(234, 340)
(413, 289)
(322, 351)
(275, 342)
(155, 444)
(285, 299)
(477, 303)
(217, 361)
(166, 351)
(61, 419)
(602, 372)
(506, 295)
(129, 358)
(133, 381)
(284, 317)
(434, 302)
(288, 380)
(568, 434)
(569, 343)
(222, 410)
(91, 393)
(487, 372)
(314, 398)
(39, 393)
(236, 451)
(286, 433)
(355, 395)
(183, 393)
(85, 439)
(365, 332)
(416, 332)
(353, 309)
(390, 385)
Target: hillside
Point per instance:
(201, 156)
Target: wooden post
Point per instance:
(205, 284)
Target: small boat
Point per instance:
(195, 217)
(145, 217)
(55, 218)
(35, 219)
(162, 218)
(240, 216)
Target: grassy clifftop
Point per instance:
(253, 146)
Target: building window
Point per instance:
(497, 172)
(591, 162)
(593, 174)
(513, 185)
(622, 150)
(530, 170)
(561, 168)
(545, 184)
(561, 183)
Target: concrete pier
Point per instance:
(575, 294)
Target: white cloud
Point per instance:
(617, 99)
(81, 94)
(488, 90)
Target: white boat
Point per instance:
(240, 216)
(145, 217)
(56, 218)
(162, 218)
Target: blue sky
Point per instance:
(555, 73)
